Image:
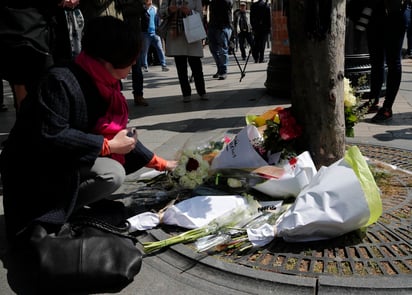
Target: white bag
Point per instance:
(194, 29)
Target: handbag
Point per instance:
(86, 255)
(194, 28)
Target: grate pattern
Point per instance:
(385, 249)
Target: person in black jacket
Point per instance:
(260, 21)
(26, 54)
(385, 30)
(69, 146)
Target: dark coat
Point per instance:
(260, 17)
(50, 140)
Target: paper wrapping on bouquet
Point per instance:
(240, 153)
(340, 198)
(201, 210)
(190, 213)
(295, 178)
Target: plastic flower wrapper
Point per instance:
(194, 162)
(340, 198)
(191, 213)
(287, 180)
(240, 153)
(201, 207)
(236, 237)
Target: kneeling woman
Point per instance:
(69, 146)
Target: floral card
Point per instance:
(240, 153)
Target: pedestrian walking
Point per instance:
(150, 23)
(219, 34)
(385, 30)
(408, 28)
(260, 19)
(184, 53)
(243, 29)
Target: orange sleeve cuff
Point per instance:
(157, 163)
(105, 148)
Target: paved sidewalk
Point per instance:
(167, 124)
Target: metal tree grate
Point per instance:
(384, 249)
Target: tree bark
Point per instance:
(317, 44)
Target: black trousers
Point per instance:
(195, 64)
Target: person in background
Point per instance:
(260, 19)
(219, 33)
(385, 30)
(3, 107)
(27, 61)
(150, 22)
(184, 53)
(133, 13)
(408, 22)
(70, 137)
(243, 29)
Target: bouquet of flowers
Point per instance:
(340, 198)
(353, 112)
(280, 131)
(206, 215)
(194, 164)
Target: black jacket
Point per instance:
(50, 141)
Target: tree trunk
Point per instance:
(317, 44)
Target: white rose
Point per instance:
(180, 170)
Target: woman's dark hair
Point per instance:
(111, 39)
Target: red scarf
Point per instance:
(117, 113)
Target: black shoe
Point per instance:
(382, 116)
(222, 77)
(370, 107)
(215, 76)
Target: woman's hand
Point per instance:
(185, 10)
(172, 9)
(171, 165)
(121, 143)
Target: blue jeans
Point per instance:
(156, 41)
(385, 37)
(408, 27)
(219, 47)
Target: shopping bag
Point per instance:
(194, 29)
